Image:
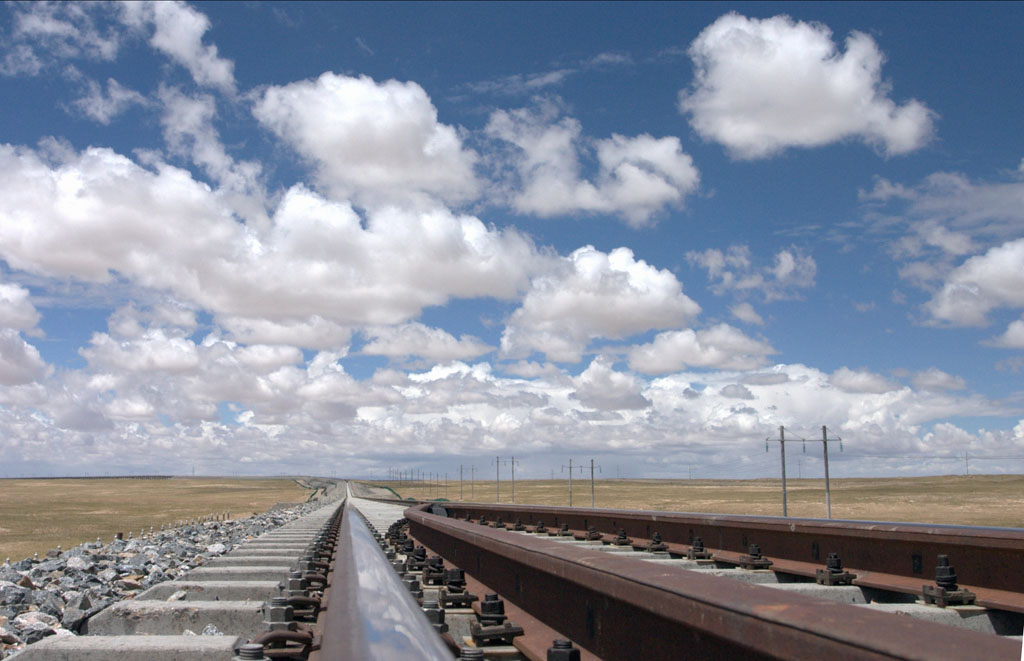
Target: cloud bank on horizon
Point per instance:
(656, 252)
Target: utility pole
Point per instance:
(513, 462)
(592, 481)
(497, 477)
(828, 490)
(446, 486)
(472, 481)
(782, 443)
(460, 481)
(967, 465)
(570, 479)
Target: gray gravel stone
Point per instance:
(54, 595)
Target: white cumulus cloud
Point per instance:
(935, 379)
(719, 347)
(593, 294)
(763, 85)
(416, 339)
(370, 140)
(177, 32)
(636, 177)
(600, 386)
(20, 362)
(1012, 338)
(16, 309)
(746, 312)
(861, 381)
(103, 106)
(981, 284)
(734, 270)
(97, 213)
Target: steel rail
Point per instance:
(369, 613)
(988, 558)
(619, 608)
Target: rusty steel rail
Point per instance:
(369, 614)
(988, 560)
(618, 608)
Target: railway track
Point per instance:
(379, 579)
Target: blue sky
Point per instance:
(427, 235)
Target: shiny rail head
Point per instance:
(370, 613)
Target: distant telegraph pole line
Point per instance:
(592, 481)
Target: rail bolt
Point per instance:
(492, 609)
(296, 585)
(656, 545)
(435, 615)
(250, 652)
(562, 650)
(279, 615)
(413, 585)
(833, 573)
(697, 550)
(455, 579)
(945, 574)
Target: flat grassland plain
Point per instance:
(976, 500)
(38, 514)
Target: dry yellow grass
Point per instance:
(37, 515)
(982, 500)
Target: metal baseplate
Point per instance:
(750, 562)
(497, 634)
(462, 599)
(933, 594)
(828, 577)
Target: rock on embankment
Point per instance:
(53, 595)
